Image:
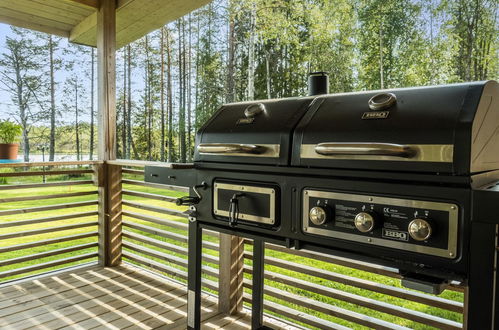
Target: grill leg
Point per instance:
(194, 277)
(480, 294)
(257, 293)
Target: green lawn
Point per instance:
(305, 261)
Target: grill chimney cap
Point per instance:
(318, 83)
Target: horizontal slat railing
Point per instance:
(289, 270)
(155, 229)
(155, 236)
(49, 225)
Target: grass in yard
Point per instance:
(288, 257)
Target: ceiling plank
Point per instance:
(87, 3)
(135, 18)
(67, 6)
(34, 26)
(42, 10)
(25, 17)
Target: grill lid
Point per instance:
(256, 132)
(447, 129)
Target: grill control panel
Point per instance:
(412, 225)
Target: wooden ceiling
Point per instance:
(77, 19)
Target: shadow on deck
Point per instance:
(124, 297)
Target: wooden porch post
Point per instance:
(230, 279)
(109, 175)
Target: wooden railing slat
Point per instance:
(47, 230)
(133, 172)
(47, 173)
(362, 301)
(154, 209)
(149, 196)
(47, 254)
(327, 308)
(168, 257)
(48, 264)
(48, 208)
(52, 164)
(44, 197)
(47, 219)
(166, 234)
(155, 185)
(166, 222)
(46, 185)
(156, 220)
(415, 296)
(165, 245)
(144, 163)
(167, 269)
(30, 245)
(297, 315)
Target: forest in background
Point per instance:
(170, 81)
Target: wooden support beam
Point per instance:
(108, 176)
(230, 279)
(106, 76)
(110, 215)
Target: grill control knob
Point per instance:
(420, 229)
(365, 222)
(318, 215)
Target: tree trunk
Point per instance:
(52, 101)
(170, 97)
(92, 108)
(181, 117)
(77, 124)
(251, 56)
(162, 93)
(230, 65)
(125, 115)
(129, 117)
(188, 90)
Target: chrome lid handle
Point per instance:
(368, 148)
(382, 101)
(230, 148)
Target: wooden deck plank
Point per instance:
(108, 318)
(58, 310)
(124, 297)
(100, 314)
(65, 311)
(224, 321)
(54, 286)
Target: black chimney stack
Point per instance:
(318, 83)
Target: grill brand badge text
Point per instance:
(376, 115)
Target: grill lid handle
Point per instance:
(368, 148)
(230, 148)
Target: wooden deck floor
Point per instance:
(124, 297)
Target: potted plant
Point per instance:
(9, 134)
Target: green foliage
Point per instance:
(9, 131)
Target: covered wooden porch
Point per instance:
(115, 256)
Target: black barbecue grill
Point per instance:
(404, 178)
